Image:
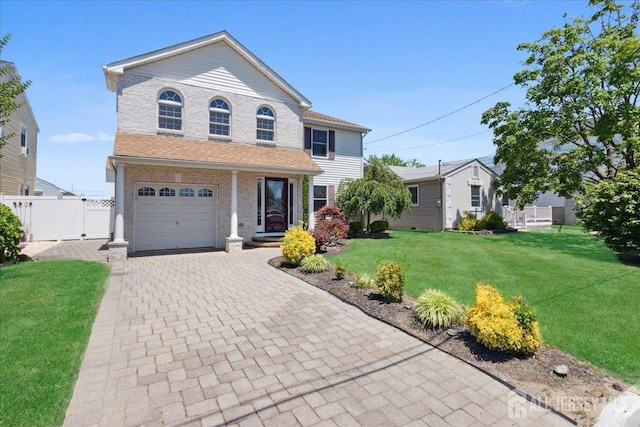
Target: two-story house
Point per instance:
(212, 146)
(18, 161)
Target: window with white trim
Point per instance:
(320, 194)
(219, 117)
(413, 189)
(320, 142)
(169, 110)
(23, 139)
(265, 124)
(475, 196)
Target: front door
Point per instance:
(276, 205)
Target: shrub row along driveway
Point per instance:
(214, 338)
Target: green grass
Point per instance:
(587, 301)
(46, 312)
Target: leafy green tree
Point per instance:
(11, 85)
(581, 122)
(393, 160)
(613, 208)
(379, 191)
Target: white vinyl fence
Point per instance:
(62, 217)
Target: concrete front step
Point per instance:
(265, 242)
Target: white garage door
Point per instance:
(170, 216)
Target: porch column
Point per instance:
(312, 219)
(234, 242)
(118, 247)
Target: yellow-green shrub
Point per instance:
(468, 222)
(298, 244)
(506, 327)
(390, 280)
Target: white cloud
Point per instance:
(79, 138)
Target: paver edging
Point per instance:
(510, 386)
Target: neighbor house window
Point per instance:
(219, 115)
(170, 110)
(413, 189)
(475, 196)
(319, 196)
(265, 124)
(23, 139)
(320, 142)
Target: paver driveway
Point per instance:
(217, 338)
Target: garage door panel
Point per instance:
(174, 222)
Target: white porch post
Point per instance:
(118, 247)
(234, 242)
(310, 207)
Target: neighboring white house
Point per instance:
(210, 148)
(442, 193)
(45, 188)
(18, 161)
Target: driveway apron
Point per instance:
(225, 339)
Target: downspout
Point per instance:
(440, 200)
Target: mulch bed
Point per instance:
(579, 395)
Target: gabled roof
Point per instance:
(24, 94)
(427, 173)
(113, 71)
(152, 149)
(312, 117)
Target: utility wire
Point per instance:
(436, 143)
(443, 116)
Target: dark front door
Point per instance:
(276, 196)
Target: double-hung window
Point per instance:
(319, 143)
(413, 189)
(23, 139)
(169, 110)
(265, 124)
(475, 196)
(219, 117)
(319, 197)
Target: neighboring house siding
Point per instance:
(138, 112)
(458, 194)
(347, 163)
(17, 169)
(216, 67)
(425, 216)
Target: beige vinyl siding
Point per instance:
(16, 168)
(458, 194)
(218, 67)
(425, 216)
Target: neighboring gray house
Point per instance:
(441, 193)
(18, 161)
(212, 146)
(45, 188)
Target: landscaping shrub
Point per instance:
(340, 270)
(492, 221)
(364, 281)
(435, 309)
(10, 234)
(332, 220)
(298, 244)
(379, 226)
(506, 327)
(390, 281)
(322, 237)
(314, 264)
(468, 222)
(356, 227)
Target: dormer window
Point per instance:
(219, 115)
(170, 110)
(265, 124)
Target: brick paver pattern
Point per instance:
(224, 339)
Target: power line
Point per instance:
(438, 143)
(443, 116)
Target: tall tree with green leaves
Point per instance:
(379, 191)
(393, 160)
(11, 85)
(581, 121)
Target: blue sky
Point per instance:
(387, 65)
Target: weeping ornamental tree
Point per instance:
(380, 191)
(580, 126)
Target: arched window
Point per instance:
(167, 192)
(219, 117)
(205, 192)
(265, 124)
(187, 192)
(146, 191)
(169, 110)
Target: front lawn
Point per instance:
(587, 301)
(46, 312)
